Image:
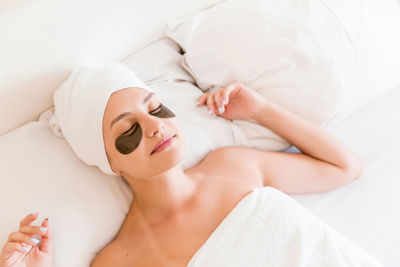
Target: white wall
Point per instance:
(42, 40)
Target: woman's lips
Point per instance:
(164, 145)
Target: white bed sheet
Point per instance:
(367, 211)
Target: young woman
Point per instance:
(174, 211)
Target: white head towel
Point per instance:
(80, 102)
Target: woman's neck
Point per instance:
(160, 197)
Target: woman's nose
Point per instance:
(153, 125)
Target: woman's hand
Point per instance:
(236, 101)
(22, 250)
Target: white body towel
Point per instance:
(269, 228)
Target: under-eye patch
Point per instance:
(163, 112)
(129, 141)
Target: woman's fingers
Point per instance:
(219, 101)
(10, 247)
(202, 99)
(33, 230)
(211, 104)
(46, 245)
(27, 230)
(207, 98)
(28, 219)
(225, 94)
(22, 238)
(216, 101)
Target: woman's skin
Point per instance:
(174, 211)
(21, 251)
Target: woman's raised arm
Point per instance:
(326, 163)
(309, 138)
(244, 103)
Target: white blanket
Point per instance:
(269, 228)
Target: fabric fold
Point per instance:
(269, 228)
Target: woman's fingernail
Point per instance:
(35, 213)
(26, 249)
(220, 109)
(210, 112)
(43, 229)
(34, 240)
(224, 102)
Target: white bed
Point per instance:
(40, 172)
(367, 211)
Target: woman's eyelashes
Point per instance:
(159, 107)
(128, 129)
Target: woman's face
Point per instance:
(133, 123)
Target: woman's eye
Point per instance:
(159, 107)
(127, 131)
(159, 110)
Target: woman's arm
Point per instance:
(309, 138)
(325, 165)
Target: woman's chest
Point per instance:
(175, 242)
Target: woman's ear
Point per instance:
(111, 165)
(117, 172)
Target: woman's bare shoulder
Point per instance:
(111, 255)
(106, 257)
(233, 157)
(230, 162)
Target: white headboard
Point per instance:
(42, 40)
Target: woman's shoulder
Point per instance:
(229, 158)
(106, 257)
(114, 254)
(229, 164)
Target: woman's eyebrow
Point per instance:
(123, 115)
(147, 97)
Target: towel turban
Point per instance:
(80, 103)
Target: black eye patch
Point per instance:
(126, 144)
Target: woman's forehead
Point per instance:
(126, 99)
(132, 95)
(133, 91)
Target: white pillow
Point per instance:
(40, 172)
(158, 65)
(320, 59)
